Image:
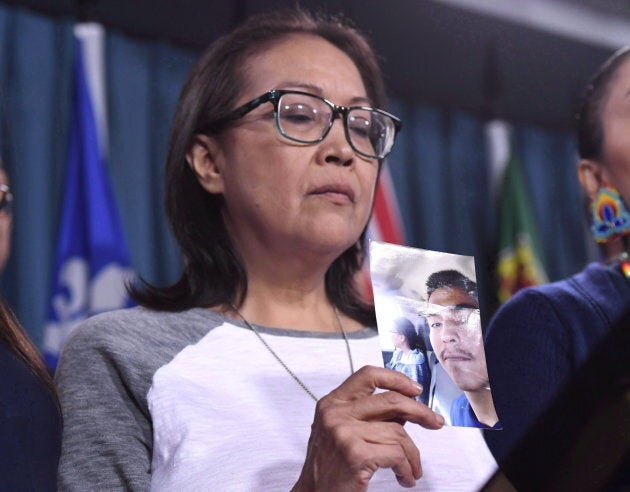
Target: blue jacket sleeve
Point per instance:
(30, 428)
(528, 356)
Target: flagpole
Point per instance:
(92, 38)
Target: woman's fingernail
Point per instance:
(418, 388)
(439, 418)
(407, 483)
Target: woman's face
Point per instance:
(398, 340)
(615, 119)
(282, 196)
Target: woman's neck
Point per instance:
(290, 303)
(288, 291)
(616, 249)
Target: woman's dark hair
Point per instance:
(590, 131)
(14, 337)
(404, 327)
(213, 272)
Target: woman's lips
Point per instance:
(337, 193)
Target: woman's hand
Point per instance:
(356, 431)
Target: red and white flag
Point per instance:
(385, 224)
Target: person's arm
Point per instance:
(528, 356)
(356, 431)
(30, 428)
(107, 436)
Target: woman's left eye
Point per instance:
(359, 127)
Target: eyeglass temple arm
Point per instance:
(244, 109)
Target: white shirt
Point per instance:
(216, 427)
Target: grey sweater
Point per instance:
(103, 377)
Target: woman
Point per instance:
(212, 385)
(30, 421)
(409, 355)
(538, 339)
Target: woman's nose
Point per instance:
(335, 147)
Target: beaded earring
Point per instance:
(611, 217)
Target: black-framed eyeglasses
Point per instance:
(307, 118)
(6, 198)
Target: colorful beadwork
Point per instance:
(611, 218)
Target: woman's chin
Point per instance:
(330, 245)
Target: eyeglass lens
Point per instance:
(306, 119)
(463, 316)
(459, 316)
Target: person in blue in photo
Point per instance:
(456, 338)
(409, 355)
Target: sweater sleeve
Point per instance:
(107, 438)
(528, 357)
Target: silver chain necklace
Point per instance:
(277, 357)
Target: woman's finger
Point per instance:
(386, 406)
(369, 378)
(391, 405)
(370, 446)
(393, 434)
(406, 468)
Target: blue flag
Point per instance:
(92, 262)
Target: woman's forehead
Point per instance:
(619, 86)
(615, 103)
(300, 60)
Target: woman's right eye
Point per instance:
(299, 114)
(298, 117)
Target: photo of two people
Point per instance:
(429, 322)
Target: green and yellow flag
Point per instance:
(520, 261)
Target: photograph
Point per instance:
(429, 324)
(313, 244)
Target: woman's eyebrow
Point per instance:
(360, 100)
(306, 86)
(314, 89)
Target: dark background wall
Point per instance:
(448, 68)
(432, 51)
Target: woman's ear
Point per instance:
(592, 177)
(203, 157)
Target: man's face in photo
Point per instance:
(455, 333)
